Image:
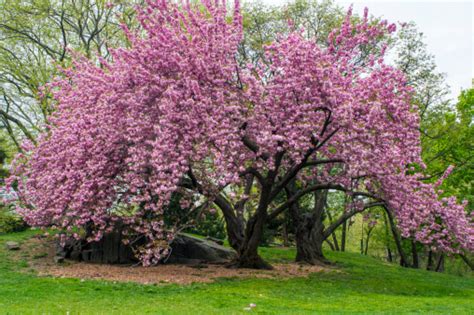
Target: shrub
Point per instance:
(10, 222)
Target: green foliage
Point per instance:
(10, 222)
(263, 22)
(360, 284)
(451, 142)
(210, 224)
(38, 35)
(197, 221)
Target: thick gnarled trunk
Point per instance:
(309, 246)
(247, 251)
(248, 256)
(309, 233)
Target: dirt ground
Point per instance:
(39, 253)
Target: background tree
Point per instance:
(35, 37)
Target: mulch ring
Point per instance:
(39, 253)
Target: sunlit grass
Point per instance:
(359, 285)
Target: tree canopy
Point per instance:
(177, 111)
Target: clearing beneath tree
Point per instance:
(40, 252)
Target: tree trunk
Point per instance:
(310, 232)
(234, 224)
(248, 256)
(440, 264)
(429, 265)
(331, 245)
(284, 232)
(467, 261)
(309, 246)
(387, 239)
(343, 236)
(333, 234)
(397, 238)
(366, 250)
(414, 252)
(389, 254)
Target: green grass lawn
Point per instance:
(362, 285)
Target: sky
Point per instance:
(448, 27)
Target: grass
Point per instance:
(362, 285)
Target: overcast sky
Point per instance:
(448, 27)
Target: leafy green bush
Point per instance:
(205, 223)
(10, 222)
(210, 224)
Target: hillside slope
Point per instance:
(358, 285)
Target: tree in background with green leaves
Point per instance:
(39, 35)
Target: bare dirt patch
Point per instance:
(39, 253)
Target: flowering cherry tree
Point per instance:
(176, 112)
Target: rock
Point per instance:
(215, 240)
(58, 259)
(75, 255)
(12, 245)
(185, 249)
(185, 246)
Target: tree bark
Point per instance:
(414, 252)
(310, 231)
(309, 246)
(397, 238)
(343, 236)
(234, 226)
(387, 239)
(333, 234)
(389, 254)
(429, 265)
(248, 256)
(440, 264)
(331, 245)
(467, 261)
(366, 249)
(284, 232)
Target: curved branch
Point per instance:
(347, 215)
(312, 188)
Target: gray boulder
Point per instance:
(185, 249)
(12, 245)
(188, 249)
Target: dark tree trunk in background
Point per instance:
(234, 225)
(343, 236)
(334, 238)
(440, 264)
(397, 239)
(389, 254)
(467, 261)
(414, 252)
(331, 245)
(284, 232)
(429, 265)
(387, 239)
(333, 234)
(366, 250)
